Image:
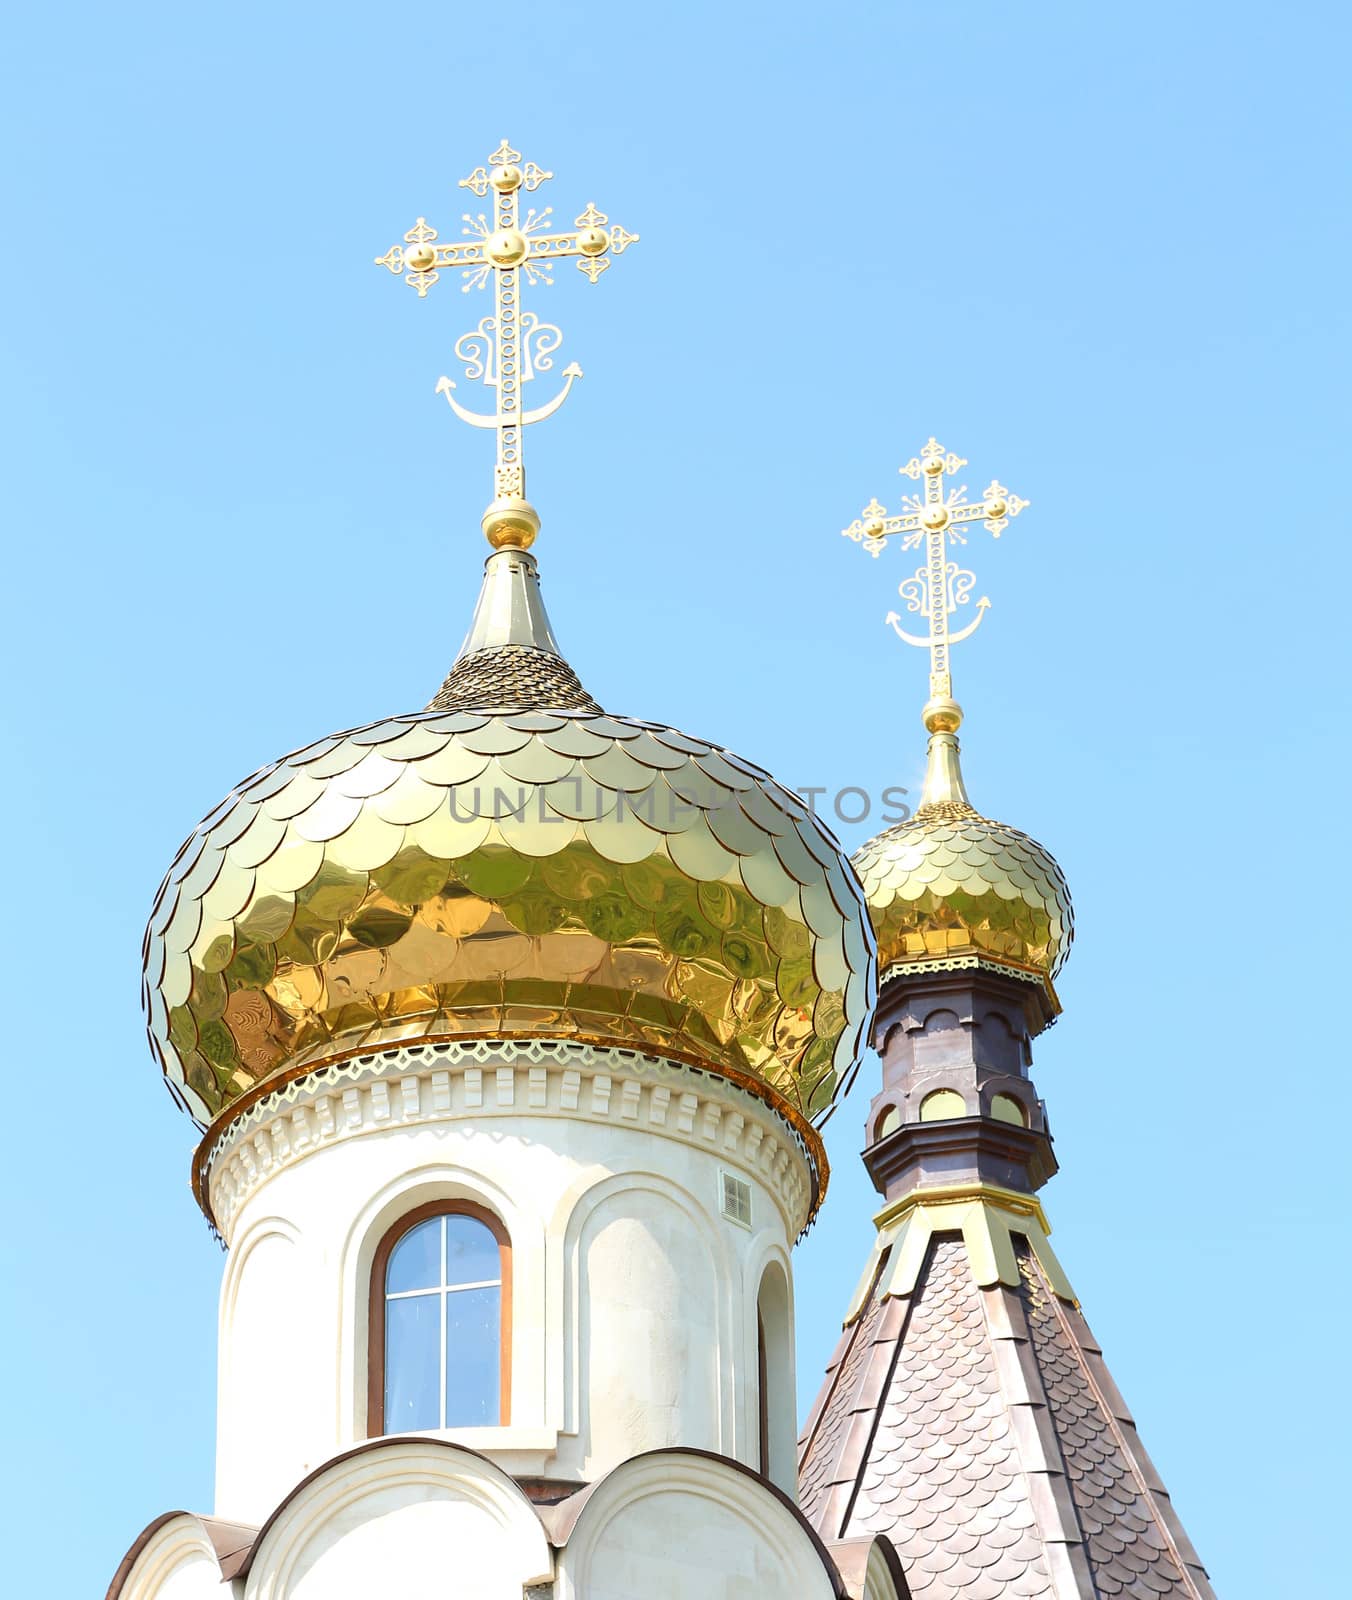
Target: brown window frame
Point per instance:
(375, 1323)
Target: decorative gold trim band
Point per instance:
(1011, 969)
(986, 1215)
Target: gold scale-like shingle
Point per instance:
(950, 882)
(553, 872)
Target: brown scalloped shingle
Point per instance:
(979, 1430)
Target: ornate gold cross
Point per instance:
(936, 518)
(508, 348)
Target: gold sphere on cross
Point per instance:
(935, 517)
(421, 258)
(592, 241)
(874, 527)
(511, 523)
(934, 465)
(505, 179)
(996, 508)
(507, 248)
(942, 714)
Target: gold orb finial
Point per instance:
(511, 523)
(942, 714)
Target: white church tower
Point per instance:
(507, 1023)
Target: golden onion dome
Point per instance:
(951, 885)
(509, 862)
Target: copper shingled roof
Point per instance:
(978, 1428)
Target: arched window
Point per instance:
(440, 1328)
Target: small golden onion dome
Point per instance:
(949, 884)
(509, 863)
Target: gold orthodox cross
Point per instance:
(935, 518)
(509, 347)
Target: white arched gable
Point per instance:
(177, 1562)
(689, 1526)
(415, 1518)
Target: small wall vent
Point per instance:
(736, 1200)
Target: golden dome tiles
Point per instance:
(734, 830)
(675, 741)
(328, 815)
(723, 772)
(496, 738)
(323, 764)
(373, 774)
(297, 796)
(230, 890)
(416, 741)
(796, 859)
(535, 762)
(628, 885)
(698, 853)
(646, 747)
(576, 740)
(409, 799)
(258, 843)
(366, 842)
(615, 768)
(938, 888)
(763, 811)
(765, 879)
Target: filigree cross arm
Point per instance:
(935, 518)
(510, 346)
(422, 262)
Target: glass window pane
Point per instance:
(412, 1363)
(473, 1358)
(415, 1262)
(471, 1252)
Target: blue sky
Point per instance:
(1098, 251)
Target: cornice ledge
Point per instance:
(420, 1084)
